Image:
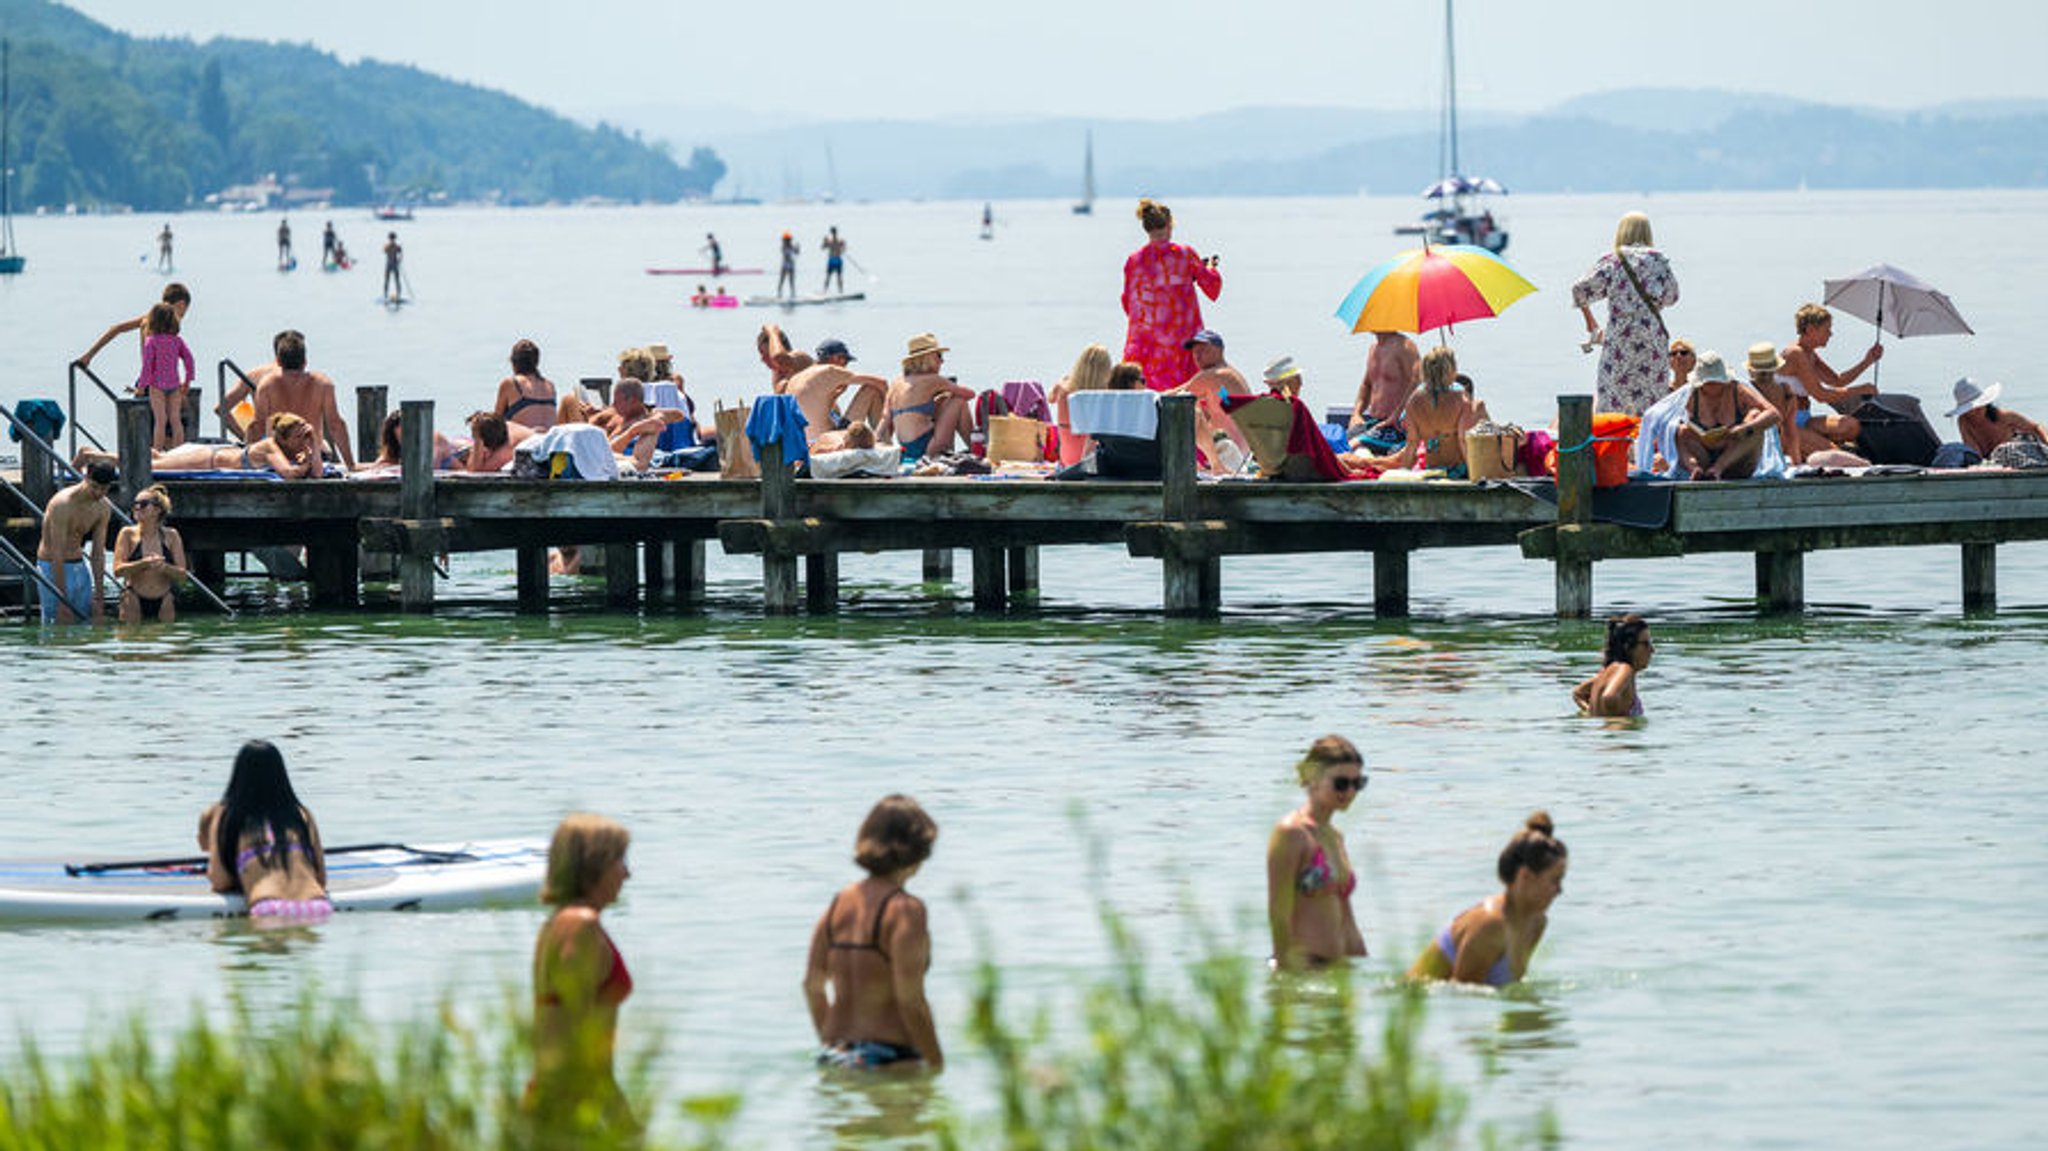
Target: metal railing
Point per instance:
(71, 409)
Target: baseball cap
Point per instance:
(834, 347)
(1205, 336)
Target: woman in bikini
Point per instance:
(290, 450)
(1611, 692)
(925, 411)
(526, 397)
(149, 559)
(579, 981)
(1437, 416)
(1308, 873)
(1491, 941)
(261, 841)
(1725, 423)
(864, 980)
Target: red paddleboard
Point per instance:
(704, 272)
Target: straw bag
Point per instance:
(735, 453)
(1015, 438)
(1491, 450)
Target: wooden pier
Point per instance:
(653, 534)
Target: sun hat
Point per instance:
(1281, 369)
(1205, 336)
(658, 351)
(835, 347)
(921, 345)
(1969, 395)
(1764, 357)
(1711, 369)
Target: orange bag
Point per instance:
(1614, 439)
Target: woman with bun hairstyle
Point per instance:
(1159, 300)
(1612, 690)
(1491, 941)
(1308, 873)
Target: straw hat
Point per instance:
(1764, 357)
(1969, 395)
(921, 345)
(658, 351)
(1711, 369)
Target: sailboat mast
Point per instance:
(6, 173)
(1451, 85)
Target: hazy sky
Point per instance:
(925, 59)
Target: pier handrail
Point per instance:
(72, 409)
(220, 394)
(28, 567)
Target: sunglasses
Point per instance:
(1677, 352)
(1346, 784)
(148, 504)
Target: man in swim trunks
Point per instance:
(717, 254)
(76, 515)
(1392, 369)
(817, 390)
(835, 259)
(1214, 378)
(307, 395)
(394, 255)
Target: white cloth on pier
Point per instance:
(585, 444)
(1133, 414)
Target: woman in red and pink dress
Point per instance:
(1159, 298)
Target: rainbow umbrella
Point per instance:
(1432, 287)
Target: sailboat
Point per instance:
(1456, 216)
(1087, 205)
(11, 262)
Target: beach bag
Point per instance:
(1895, 431)
(2022, 451)
(1015, 438)
(1538, 449)
(735, 452)
(1491, 450)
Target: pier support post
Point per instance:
(684, 560)
(416, 499)
(778, 501)
(991, 587)
(1980, 578)
(821, 582)
(1574, 574)
(1390, 582)
(134, 433)
(1781, 580)
(1024, 572)
(938, 565)
(621, 575)
(331, 571)
(1191, 586)
(372, 402)
(532, 564)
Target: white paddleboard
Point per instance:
(795, 301)
(426, 877)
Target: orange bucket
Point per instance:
(1614, 438)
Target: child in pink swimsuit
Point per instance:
(163, 350)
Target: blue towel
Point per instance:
(43, 417)
(777, 419)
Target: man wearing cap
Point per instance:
(1983, 423)
(1392, 370)
(1722, 433)
(76, 515)
(1214, 378)
(817, 390)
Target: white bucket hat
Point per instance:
(1969, 395)
(1710, 369)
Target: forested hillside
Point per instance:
(102, 119)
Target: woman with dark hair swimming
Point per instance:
(865, 977)
(1612, 690)
(261, 841)
(1491, 941)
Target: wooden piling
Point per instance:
(135, 431)
(621, 575)
(372, 403)
(821, 582)
(991, 587)
(416, 500)
(1023, 564)
(532, 566)
(1781, 580)
(778, 501)
(1191, 585)
(938, 565)
(1574, 574)
(1390, 582)
(1980, 578)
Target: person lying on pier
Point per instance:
(633, 428)
(925, 411)
(1810, 378)
(817, 390)
(149, 558)
(391, 449)
(1985, 426)
(1726, 424)
(1438, 415)
(491, 442)
(306, 394)
(288, 450)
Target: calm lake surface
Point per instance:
(1804, 906)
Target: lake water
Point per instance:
(1804, 903)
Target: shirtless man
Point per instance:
(631, 425)
(1214, 378)
(492, 441)
(817, 390)
(394, 255)
(1392, 369)
(716, 253)
(781, 360)
(835, 259)
(1438, 414)
(77, 515)
(1810, 377)
(307, 395)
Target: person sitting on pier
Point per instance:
(391, 449)
(1392, 370)
(1214, 379)
(492, 441)
(1437, 415)
(781, 359)
(926, 411)
(1090, 374)
(817, 390)
(1985, 426)
(1810, 378)
(633, 428)
(289, 450)
(149, 559)
(526, 397)
(665, 373)
(306, 394)
(1725, 428)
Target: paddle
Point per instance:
(199, 861)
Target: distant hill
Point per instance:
(105, 119)
(1637, 140)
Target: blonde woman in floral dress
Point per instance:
(1636, 281)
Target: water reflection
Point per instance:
(877, 1108)
(250, 945)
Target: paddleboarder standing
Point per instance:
(394, 255)
(718, 267)
(327, 246)
(788, 273)
(835, 258)
(284, 245)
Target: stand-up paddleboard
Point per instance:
(706, 272)
(362, 877)
(796, 301)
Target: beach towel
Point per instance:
(43, 417)
(778, 419)
(585, 446)
(1304, 454)
(881, 460)
(1027, 398)
(1131, 414)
